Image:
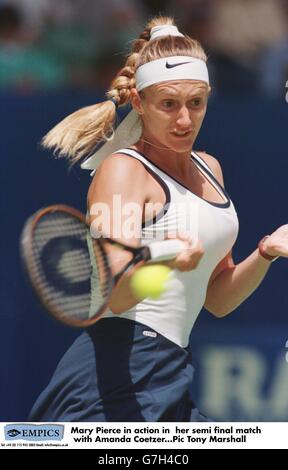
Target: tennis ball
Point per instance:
(150, 281)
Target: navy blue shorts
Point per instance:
(120, 370)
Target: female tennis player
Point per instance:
(134, 364)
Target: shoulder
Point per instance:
(120, 164)
(120, 168)
(119, 173)
(214, 164)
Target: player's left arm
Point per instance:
(229, 284)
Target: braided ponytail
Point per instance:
(122, 85)
(77, 135)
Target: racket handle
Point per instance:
(167, 249)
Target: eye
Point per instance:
(196, 102)
(167, 104)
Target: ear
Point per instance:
(136, 101)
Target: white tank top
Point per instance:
(174, 313)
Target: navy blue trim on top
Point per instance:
(202, 161)
(222, 205)
(211, 175)
(163, 185)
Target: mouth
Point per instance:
(182, 134)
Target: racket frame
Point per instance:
(26, 248)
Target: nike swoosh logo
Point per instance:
(170, 66)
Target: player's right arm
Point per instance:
(119, 183)
(116, 199)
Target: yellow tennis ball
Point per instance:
(150, 281)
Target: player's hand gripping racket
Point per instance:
(61, 258)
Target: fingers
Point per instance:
(186, 237)
(190, 257)
(277, 243)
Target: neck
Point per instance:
(168, 160)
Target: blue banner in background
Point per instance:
(241, 367)
(242, 373)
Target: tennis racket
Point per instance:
(62, 260)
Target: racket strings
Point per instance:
(62, 265)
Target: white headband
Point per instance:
(156, 71)
(171, 68)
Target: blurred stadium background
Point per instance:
(59, 55)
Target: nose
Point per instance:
(183, 120)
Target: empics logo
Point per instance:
(34, 432)
(13, 433)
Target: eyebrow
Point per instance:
(171, 91)
(166, 91)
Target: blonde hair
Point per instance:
(79, 133)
